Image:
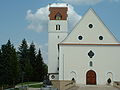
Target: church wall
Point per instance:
(74, 62)
(90, 35)
(52, 26)
(53, 40)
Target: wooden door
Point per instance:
(91, 77)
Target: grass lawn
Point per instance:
(36, 86)
(31, 84)
(26, 83)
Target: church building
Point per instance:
(89, 54)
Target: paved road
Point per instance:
(87, 88)
(34, 89)
(94, 88)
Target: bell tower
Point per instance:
(57, 31)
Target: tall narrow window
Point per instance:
(57, 27)
(91, 64)
(58, 16)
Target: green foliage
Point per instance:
(36, 86)
(32, 54)
(41, 68)
(23, 54)
(28, 70)
(24, 64)
(26, 83)
(9, 68)
(32, 59)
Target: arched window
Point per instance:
(58, 16)
(91, 63)
(57, 27)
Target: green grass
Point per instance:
(36, 86)
(26, 83)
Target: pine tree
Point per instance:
(40, 69)
(28, 70)
(10, 67)
(32, 58)
(1, 69)
(32, 54)
(23, 56)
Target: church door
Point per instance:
(91, 77)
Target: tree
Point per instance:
(28, 70)
(9, 68)
(1, 69)
(23, 54)
(32, 54)
(40, 68)
(32, 60)
(23, 59)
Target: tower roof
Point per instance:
(55, 10)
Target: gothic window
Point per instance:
(91, 63)
(58, 16)
(58, 69)
(57, 27)
(91, 54)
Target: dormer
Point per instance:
(58, 16)
(58, 13)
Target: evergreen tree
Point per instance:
(1, 69)
(28, 70)
(23, 54)
(32, 54)
(10, 67)
(40, 68)
(23, 57)
(32, 58)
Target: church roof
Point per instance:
(90, 30)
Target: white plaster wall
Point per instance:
(52, 26)
(54, 38)
(56, 77)
(53, 41)
(106, 59)
(90, 35)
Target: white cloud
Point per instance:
(38, 21)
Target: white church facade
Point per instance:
(89, 54)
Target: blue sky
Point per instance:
(15, 19)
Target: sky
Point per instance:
(28, 19)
